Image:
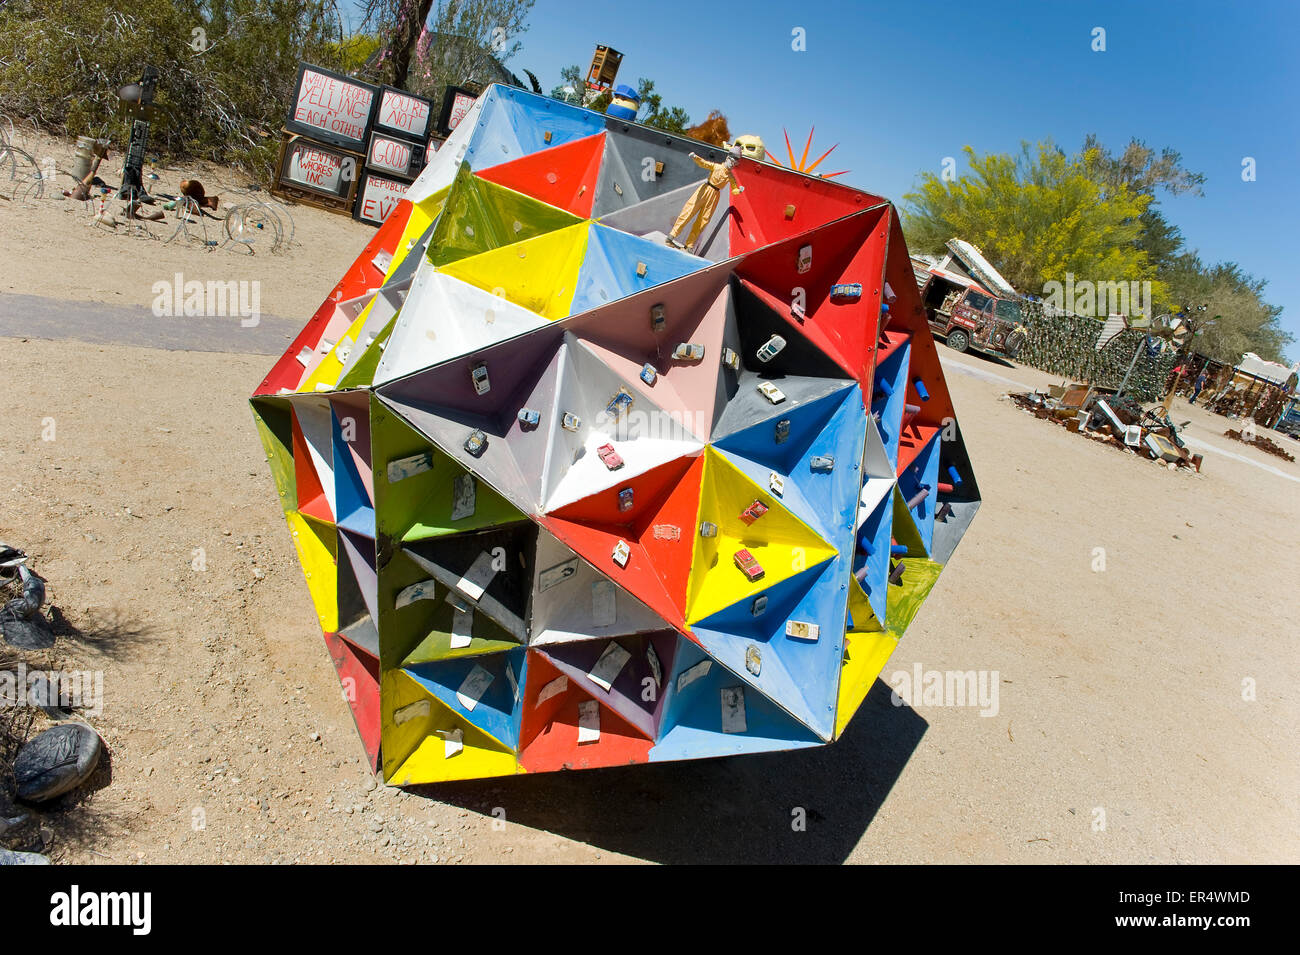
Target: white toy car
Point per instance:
(771, 348)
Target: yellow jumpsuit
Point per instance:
(704, 200)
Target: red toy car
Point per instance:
(752, 513)
(748, 565)
(611, 457)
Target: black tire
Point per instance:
(958, 340)
(1015, 341)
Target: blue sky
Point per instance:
(901, 85)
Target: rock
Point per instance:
(56, 761)
(22, 858)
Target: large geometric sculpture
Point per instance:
(514, 604)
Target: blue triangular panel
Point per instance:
(515, 123)
(497, 712)
(692, 725)
(798, 674)
(613, 259)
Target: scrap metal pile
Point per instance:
(1116, 421)
(1260, 441)
(1066, 345)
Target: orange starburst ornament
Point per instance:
(802, 164)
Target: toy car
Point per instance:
(621, 553)
(771, 348)
(570, 422)
(848, 292)
(610, 457)
(753, 659)
(686, 351)
(667, 532)
(805, 258)
(475, 443)
(822, 462)
(748, 565)
(656, 318)
(782, 430)
(776, 483)
(479, 375)
(801, 630)
(797, 311)
(752, 513)
(708, 529)
(759, 605)
(529, 417)
(619, 403)
(648, 373)
(625, 499)
(731, 359)
(771, 392)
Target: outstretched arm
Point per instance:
(701, 162)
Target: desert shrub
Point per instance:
(226, 69)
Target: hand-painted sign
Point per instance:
(455, 104)
(401, 113)
(332, 108)
(377, 197)
(396, 156)
(318, 168)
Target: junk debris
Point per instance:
(23, 592)
(56, 761)
(1111, 419)
(1259, 441)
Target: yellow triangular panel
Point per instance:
(864, 618)
(540, 273)
(782, 544)
(865, 655)
(330, 368)
(317, 544)
(413, 751)
(422, 215)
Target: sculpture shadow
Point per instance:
(737, 809)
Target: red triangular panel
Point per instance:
(762, 215)
(562, 176)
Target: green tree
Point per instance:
(1141, 170)
(1037, 216)
(673, 119)
(1242, 320)
(226, 69)
(429, 46)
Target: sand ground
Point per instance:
(1124, 731)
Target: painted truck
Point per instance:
(967, 315)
